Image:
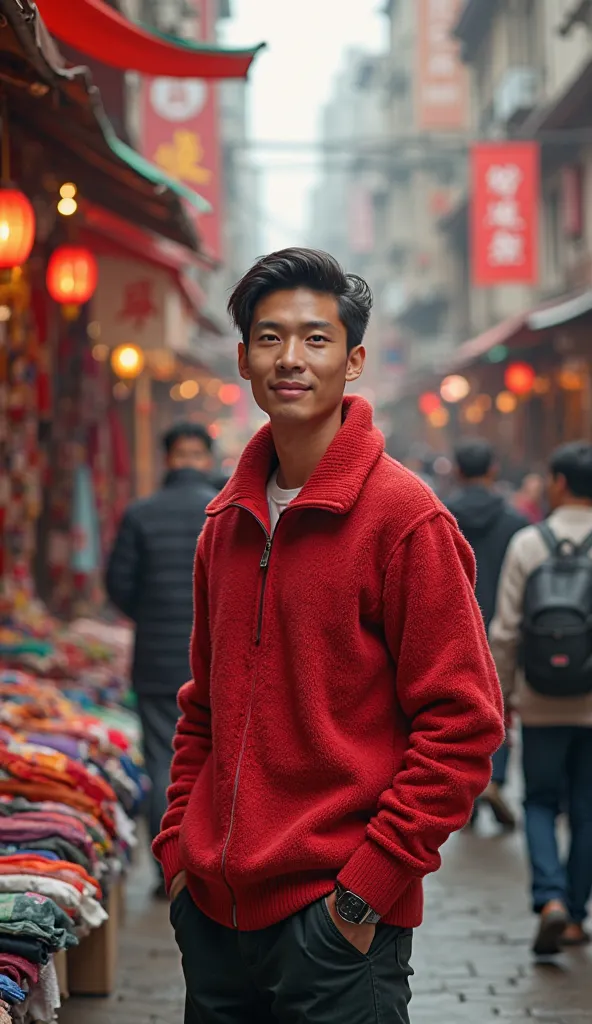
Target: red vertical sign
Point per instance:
(504, 213)
(442, 93)
(180, 133)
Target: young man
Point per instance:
(488, 523)
(344, 706)
(557, 730)
(150, 579)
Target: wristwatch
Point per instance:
(353, 909)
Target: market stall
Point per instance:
(71, 785)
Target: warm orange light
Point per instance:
(229, 394)
(213, 386)
(506, 402)
(72, 275)
(214, 430)
(570, 379)
(439, 417)
(474, 413)
(127, 361)
(484, 402)
(188, 389)
(519, 378)
(17, 228)
(428, 402)
(175, 393)
(454, 388)
(541, 385)
(100, 352)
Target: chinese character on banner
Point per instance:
(504, 213)
(138, 305)
(442, 96)
(180, 133)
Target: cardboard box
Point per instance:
(92, 965)
(61, 965)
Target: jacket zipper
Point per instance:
(263, 565)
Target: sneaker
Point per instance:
(574, 935)
(553, 923)
(502, 813)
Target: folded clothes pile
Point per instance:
(71, 782)
(92, 655)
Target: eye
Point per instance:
(318, 339)
(269, 337)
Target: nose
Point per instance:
(291, 356)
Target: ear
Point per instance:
(355, 363)
(243, 361)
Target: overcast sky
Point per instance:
(288, 86)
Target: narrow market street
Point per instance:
(472, 957)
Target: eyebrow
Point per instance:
(308, 325)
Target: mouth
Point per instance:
(290, 391)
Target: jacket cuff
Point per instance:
(170, 860)
(375, 877)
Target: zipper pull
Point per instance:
(265, 556)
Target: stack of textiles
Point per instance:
(70, 784)
(88, 655)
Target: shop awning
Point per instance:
(57, 111)
(561, 312)
(97, 30)
(107, 234)
(476, 348)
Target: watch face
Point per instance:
(351, 908)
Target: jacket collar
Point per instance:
(336, 482)
(185, 477)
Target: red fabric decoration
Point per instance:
(100, 32)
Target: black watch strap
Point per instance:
(353, 909)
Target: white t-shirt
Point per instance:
(278, 499)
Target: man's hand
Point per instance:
(177, 885)
(361, 936)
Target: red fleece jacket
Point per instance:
(344, 705)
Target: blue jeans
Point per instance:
(557, 763)
(499, 764)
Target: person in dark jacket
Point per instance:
(488, 522)
(150, 579)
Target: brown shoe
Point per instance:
(501, 811)
(574, 935)
(554, 921)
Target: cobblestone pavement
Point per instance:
(472, 957)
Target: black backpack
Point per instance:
(557, 622)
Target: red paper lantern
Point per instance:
(72, 275)
(519, 378)
(17, 228)
(428, 402)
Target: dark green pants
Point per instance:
(301, 971)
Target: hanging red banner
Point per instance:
(442, 94)
(180, 133)
(505, 186)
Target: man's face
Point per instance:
(297, 360)
(190, 453)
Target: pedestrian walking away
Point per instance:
(488, 522)
(544, 611)
(150, 579)
(344, 705)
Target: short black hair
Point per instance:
(574, 462)
(185, 429)
(303, 268)
(474, 458)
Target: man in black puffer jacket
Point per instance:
(150, 579)
(488, 523)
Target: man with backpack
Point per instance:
(543, 627)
